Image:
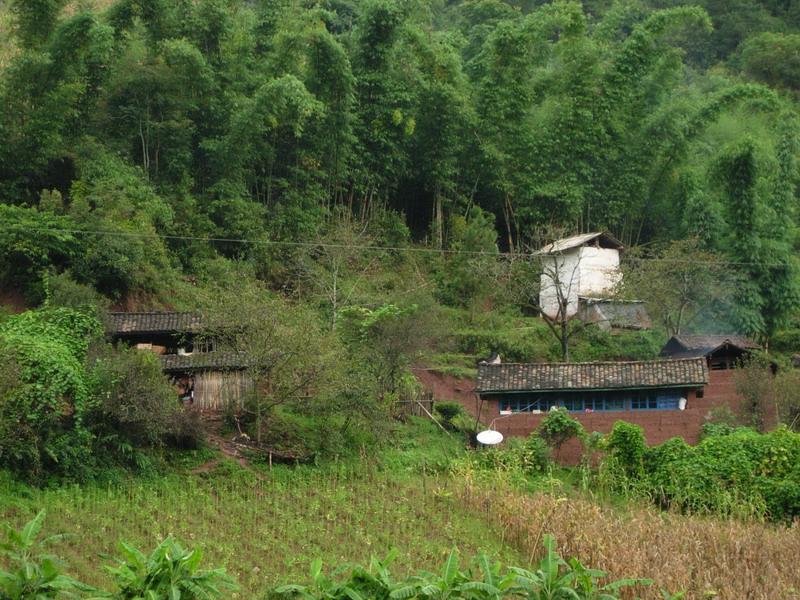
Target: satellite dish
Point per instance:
(490, 437)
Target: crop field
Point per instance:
(264, 531)
(267, 529)
(705, 557)
(417, 496)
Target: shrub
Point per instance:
(134, 400)
(535, 455)
(626, 444)
(558, 427)
(720, 420)
(512, 346)
(62, 290)
(739, 472)
(450, 413)
(44, 408)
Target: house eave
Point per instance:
(683, 385)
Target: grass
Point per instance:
(461, 366)
(266, 526)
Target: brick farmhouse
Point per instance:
(668, 397)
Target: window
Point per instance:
(644, 402)
(607, 401)
(668, 401)
(656, 400)
(615, 403)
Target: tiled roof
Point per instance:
(591, 376)
(712, 342)
(202, 361)
(579, 240)
(153, 322)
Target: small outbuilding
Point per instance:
(210, 380)
(722, 352)
(580, 277)
(205, 378)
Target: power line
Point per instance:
(367, 247)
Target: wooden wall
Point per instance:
(218, 390)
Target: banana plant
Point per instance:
(557, 579)
(169, 572)
(553, 579)
(322, 587)
(33, 573)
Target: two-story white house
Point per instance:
(580, 277)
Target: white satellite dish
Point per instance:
(490, 437)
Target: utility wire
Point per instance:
(366, 247)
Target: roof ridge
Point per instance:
(664, 359)
(153, 312)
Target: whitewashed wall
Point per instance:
(600, 272)
(562, 270)
(584, 271)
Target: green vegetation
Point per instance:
(148, 144)
(487, 580)
(346, 189)
(168, 572)
(72, 406)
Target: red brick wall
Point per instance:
(658, 425)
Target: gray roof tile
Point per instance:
(153, 322)
(704, 344)
(203, 361)
(591, 376)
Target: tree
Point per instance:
(774, 59)
(787, 398)
(288, 355)
(335, 269)
(682, 283)
(755, 385)
(388, 339)
(759, 239)
(468, 265)
(36, 19)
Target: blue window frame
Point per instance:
(608, 401)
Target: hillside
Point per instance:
(327, 208)
(157, 139)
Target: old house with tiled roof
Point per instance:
(667, 398)
(721, 351)
(205, 377)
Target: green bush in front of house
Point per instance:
(68, 411)
(44, 397)
(731, 472)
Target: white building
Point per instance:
(577, 272)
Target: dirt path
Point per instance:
(227, 447)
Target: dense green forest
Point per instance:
(344, 190)
(179, 129)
